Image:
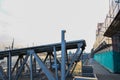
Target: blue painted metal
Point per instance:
(31, 67)
(50, 59)
(67, 58)
(34, 68)
(9, 67)
(21, 67)
(63, 55)
(16, 64)
(2, 74)
(27, 65)
(32, 51)
(43, 67)
(74, 58)
(56, 59)
(21, 61)
(55, 62)
(42, 48)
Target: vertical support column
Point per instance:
(55, 62)
(31, 67)
(63, 55)
(9, 67)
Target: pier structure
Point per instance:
(29, 58)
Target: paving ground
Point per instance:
(102, 73)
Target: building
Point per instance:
(106, 48)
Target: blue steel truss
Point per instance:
(31, 54)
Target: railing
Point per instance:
(113, 10)
(114, 7)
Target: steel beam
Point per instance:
(21, 61)
(73, 68)
(31, 67)
(63, 55)
(27, 65)
(34, 64)
(50, 59)
(21, 67)
(56, 59)
(9, 66)
(74, 58)
(15, 64)
(82, 49)
(67, 58)
(55, 62)
(42, 65)
(42, 48)
(46, 58)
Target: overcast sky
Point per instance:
(41, 21)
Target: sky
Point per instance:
(38, 22)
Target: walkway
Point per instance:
(102, 73)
